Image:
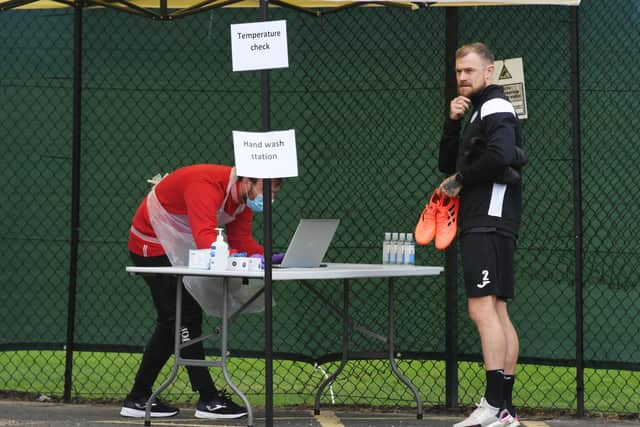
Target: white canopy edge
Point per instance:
(180, 4)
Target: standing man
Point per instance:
(182, 212)
(477, 160)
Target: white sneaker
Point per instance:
(484, 415)
(505, 419)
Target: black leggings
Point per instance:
(160, 346)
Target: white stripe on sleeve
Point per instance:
(496, 105)
(497, 199)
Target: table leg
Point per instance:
(176, 353)
(223, 351)
(346, 328)
(392, 361)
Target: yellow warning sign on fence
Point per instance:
(509, 73)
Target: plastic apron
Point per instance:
(175, 236)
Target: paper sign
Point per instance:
(265, 154)
(509, 73)
(259, 45)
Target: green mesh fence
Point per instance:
(365, 93)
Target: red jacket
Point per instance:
(198, 192)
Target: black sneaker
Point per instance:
(136, 409)
(221, 406)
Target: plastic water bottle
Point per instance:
(400, 255)
(386, 248)
(219, 253)
(410, 250)
(393, 249)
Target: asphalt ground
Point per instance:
(33, 414)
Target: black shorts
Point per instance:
(487, 260)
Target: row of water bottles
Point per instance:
(398, 248)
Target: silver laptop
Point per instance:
(309, 243)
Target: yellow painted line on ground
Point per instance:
(534, 424)
(328, 419)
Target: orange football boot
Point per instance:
(446, 221)
(426, 227)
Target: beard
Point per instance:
(469, 90)
(465, 90)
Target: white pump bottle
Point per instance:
(219, 253)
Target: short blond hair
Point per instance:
(478, 48)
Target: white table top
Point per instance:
(329, 271)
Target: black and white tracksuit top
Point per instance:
(481, 155)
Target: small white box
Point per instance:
(238, 264)
(255, 264)
(199, 258)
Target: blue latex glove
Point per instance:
(275, 258)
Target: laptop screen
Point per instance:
(309, 243)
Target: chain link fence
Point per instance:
(365, 93)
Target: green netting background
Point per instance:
(365, 93)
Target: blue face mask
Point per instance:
(256, 205)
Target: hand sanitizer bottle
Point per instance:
(219, 253)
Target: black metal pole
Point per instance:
(451, 254)
(75, 198)
(577, 208)
(268, 288)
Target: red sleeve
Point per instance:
(240, 234)
(203, 197)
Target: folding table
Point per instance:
(331, 271)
